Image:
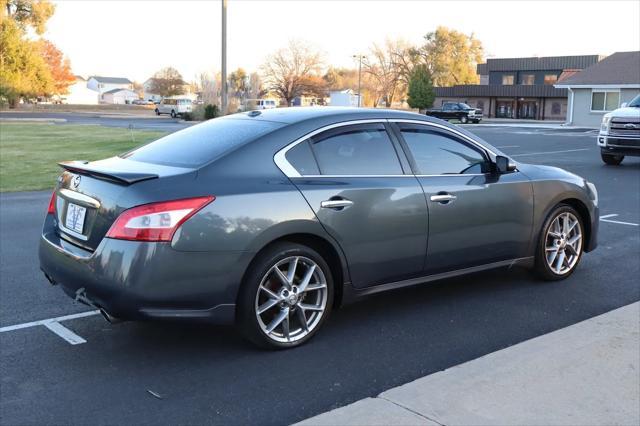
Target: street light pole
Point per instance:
(360, 57)
(223, 79)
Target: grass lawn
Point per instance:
(29, 152)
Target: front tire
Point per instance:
(464, 119)
(173, 114)
(612, 159)
(157, 111)
(560, 245)
(286, 296)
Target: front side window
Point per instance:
(439, 153)
(356, 150)
(507, 80)
(604, 101)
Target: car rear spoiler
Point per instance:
(118, 176)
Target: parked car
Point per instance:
(456, 111)
(142, 102)
(620, 133)
(174, 106)
(265, 104)
(285, 214)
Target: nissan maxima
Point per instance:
(271, 219)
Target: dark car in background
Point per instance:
(270, 219)
(456, 111)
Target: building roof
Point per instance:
(621, 68)
(494, 90)
(111, 80)
(538, 63)
(117, 90)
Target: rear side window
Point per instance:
(439, 153)
(202, 143)
(301, 158)
(356, 150)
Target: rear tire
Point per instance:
(560, 245)
(272, 305)
(612, 159)
(157, 111)
(173, 114)
(464, 119)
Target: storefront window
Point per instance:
(556, 108)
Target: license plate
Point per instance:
(75, 218)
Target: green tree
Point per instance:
(420, 93)
(26, 14)
(451, 57)
(167, 82)
(24, 71)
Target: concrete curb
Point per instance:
(44, 120)
(584, 374)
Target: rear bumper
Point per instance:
(139, 280)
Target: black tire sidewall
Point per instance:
(612, 159)
(542, 268)
(246, 317)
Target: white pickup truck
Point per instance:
(620, 133)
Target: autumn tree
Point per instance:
(381, 65)
(291, 72)
(59, 67)
(451, 57)
(341, 78)
(420, 92)
(167, 82)
(24, 71)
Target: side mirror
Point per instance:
(623, 105)
(504, 165)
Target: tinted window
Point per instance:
(437, 153)
(301, 158)
(199, 144)
(356, 150)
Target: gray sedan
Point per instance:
(270, 219)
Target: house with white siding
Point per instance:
(118, 96)
(601, 88)
(80, 94)
(104, 84)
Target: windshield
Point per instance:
(465, 106)
(197, 145)
(635, 102)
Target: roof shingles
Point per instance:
(620, 68)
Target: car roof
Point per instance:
(293, 115)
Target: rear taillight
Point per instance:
(52, 204)
(156, 221)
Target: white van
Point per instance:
(265, 103)
(174, 106)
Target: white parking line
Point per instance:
(604, 219)
(551, 152)
(54, 325)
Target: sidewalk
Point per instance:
(585, 374)
(535, 124)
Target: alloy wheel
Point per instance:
(291, 299)
(563, 243)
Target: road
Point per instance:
(150, 122)
(206, 374)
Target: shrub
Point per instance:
(211, 111)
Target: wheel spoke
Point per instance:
(285, 326)
(283, 279)
(271, 294)
(267, 305)
(307, 307)
(572, 226)
(293, 264)
(303, 319)
(574, 240)
(552, 248)
(307, 277)
(313, 287)
(553, 257)
(560, 261)
(284, 313)
(555, 235)
(572, 250)
(565, 223)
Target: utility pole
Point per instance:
(223, 82)
(360, 58)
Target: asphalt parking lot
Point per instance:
(160, 373)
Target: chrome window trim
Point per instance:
(285, 167)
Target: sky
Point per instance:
(134, 39)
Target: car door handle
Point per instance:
(443, 198)
(336, 204)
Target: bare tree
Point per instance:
(167, 82)
(382, 66)
(290, 72)
(208, 87)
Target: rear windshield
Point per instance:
(202, 143)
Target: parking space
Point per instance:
(62, 363)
